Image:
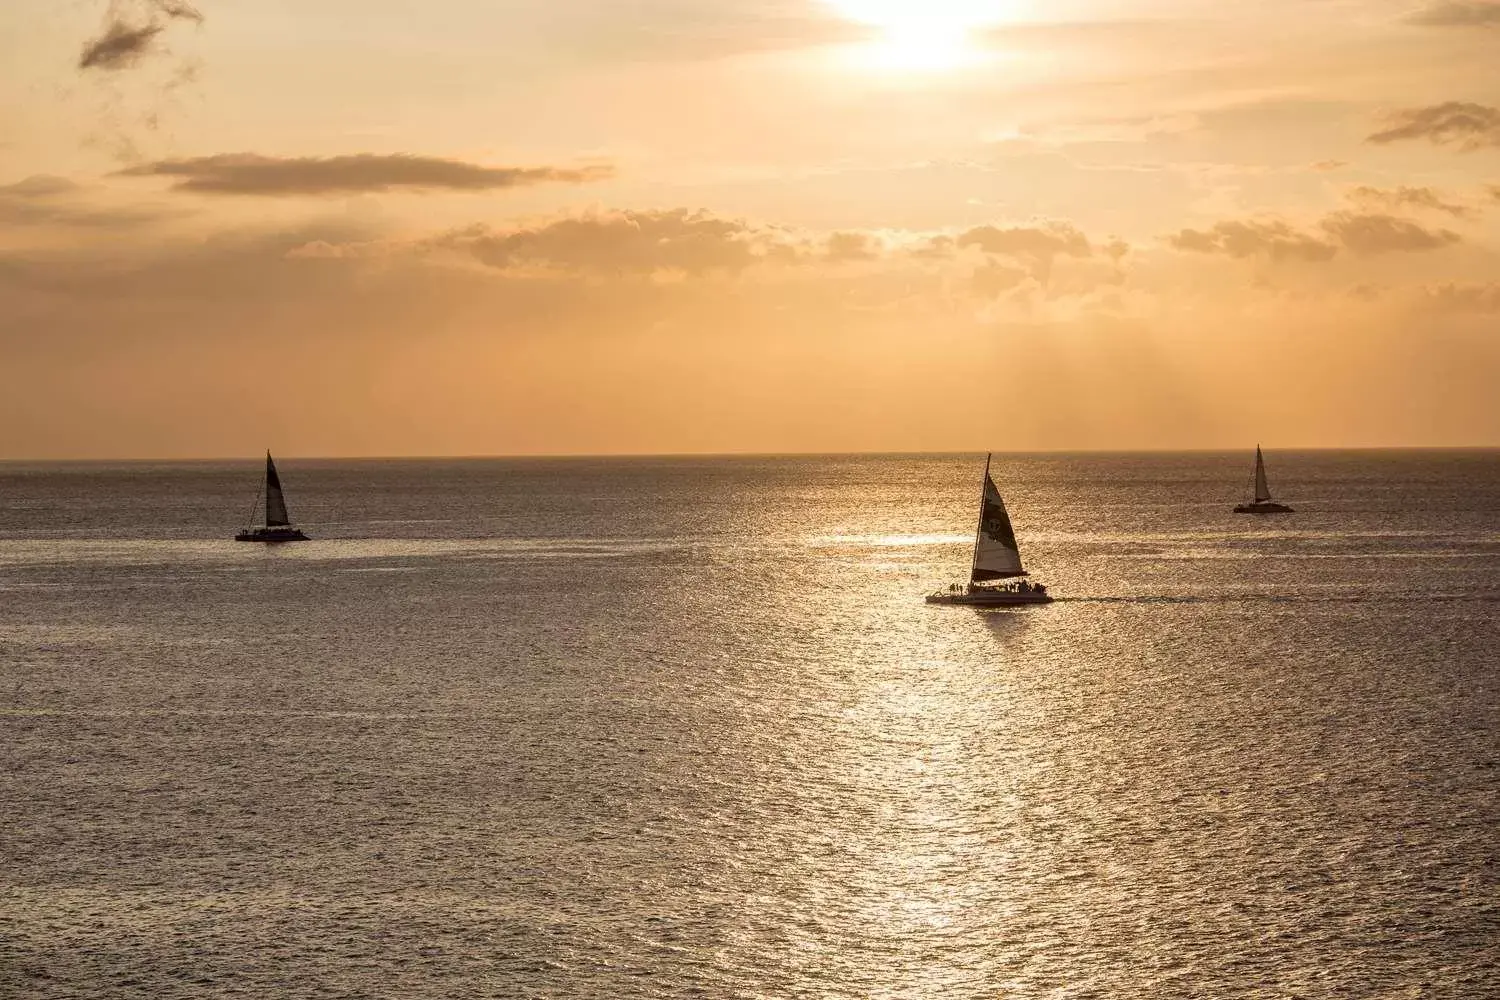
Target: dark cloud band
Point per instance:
(1463, 124)
(269, 176)
(1458, 14)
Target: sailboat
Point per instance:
(278, 524)
(997, 561)
(1262, 502)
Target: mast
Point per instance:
(979, 521)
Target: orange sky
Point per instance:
(580, 226)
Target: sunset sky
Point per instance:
(479, 227)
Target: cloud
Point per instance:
(252, 174)
(119, 47)
(621, 243)
(130, 31)
(686, 243)
(1456, 298)
(995, 279)
(849, 246)
(1254, 237)
(47, 200)
(1328, 166)
(1376, 233)
(38, 186)
(1037, 247)
(1422, 198)
(1458, 14)
(1464, 124)
(1360, 233)
(1029, 241)
(179, 10)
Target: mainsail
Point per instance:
(996, 555)
(276, 515)
(1262, 488)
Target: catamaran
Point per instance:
(1262, 502)
(993, 577)
(278, 525)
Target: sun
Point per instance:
(924, 35)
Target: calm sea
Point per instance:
(671, 728)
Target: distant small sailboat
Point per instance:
(278, 523)
(1262, 502)
(997, 558)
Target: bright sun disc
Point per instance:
(923, 34)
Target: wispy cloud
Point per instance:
(1035, 247)
(1458, 14)
(269, 176)
(1371, 233)
(1464, 298)
(1363, 234)
(1271, 238)
(120, 46)
(1399, 198)
(130, 31)
(44, 200)
(1464, 124)
(626, 242)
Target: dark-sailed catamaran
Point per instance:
(993, 577)
(278, 525)
(1261, 503)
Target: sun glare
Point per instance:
(924, 35)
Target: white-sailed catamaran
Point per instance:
(1262, 502)
(994, 577)
(278, 526)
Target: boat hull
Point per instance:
(1263, 508)
(271, 536)
(990, 599)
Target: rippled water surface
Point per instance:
(646, 728)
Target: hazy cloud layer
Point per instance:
(1376, 233)
(629, 242)
(1254, 237)
(44, 200)
(1457, 298)
(38, 186)
(252, 174)
(130, 31)
(673, 30)
(1360, 233)
(1458, 14)
(1035, 247)
(1464, 124)
(849, 246)
(1399, 198)
(698, 244)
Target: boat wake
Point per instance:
(1373, 598)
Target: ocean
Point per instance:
(684, 727)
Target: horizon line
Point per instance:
(574, 456)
